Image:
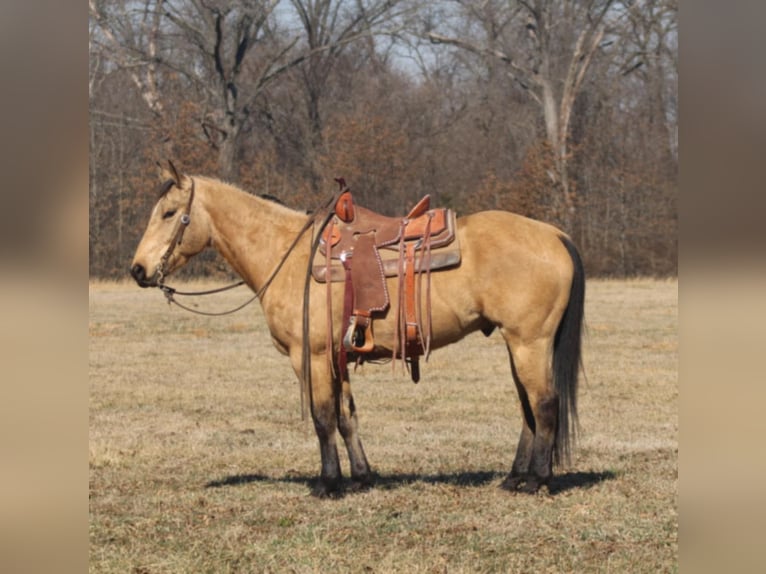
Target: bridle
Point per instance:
(177, 237)
(178, 234)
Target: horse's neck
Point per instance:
(251, 233)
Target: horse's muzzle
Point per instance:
(139, 274)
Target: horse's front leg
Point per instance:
(349, 429)
(324, 401)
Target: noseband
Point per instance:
(178, 236)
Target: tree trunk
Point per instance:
(557, 135)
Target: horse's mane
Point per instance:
(169, 183)
(165, 187)
(273, 198)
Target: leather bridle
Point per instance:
(177, 237)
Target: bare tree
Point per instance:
(206, 43)
(649, 53)
(329, 26)
(229, 52)
(129, 32)
(546, 47)
(628, 162)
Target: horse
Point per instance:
(519, 276)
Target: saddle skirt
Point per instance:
(363, 248)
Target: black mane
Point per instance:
(272, 198)
(165, 187)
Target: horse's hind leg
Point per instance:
(533, 464)
(349, 430)
(523, 456)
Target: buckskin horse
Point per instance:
(520, 276)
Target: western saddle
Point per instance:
(362, 248)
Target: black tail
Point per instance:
(567, 358)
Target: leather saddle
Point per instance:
(363, 248)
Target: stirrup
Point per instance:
(358, 338)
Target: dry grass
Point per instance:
(199, 460)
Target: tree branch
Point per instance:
(526, 78)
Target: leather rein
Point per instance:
(171, 292)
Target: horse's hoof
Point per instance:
(361, 483)
(527, 484)
(512, 483)
(327, 490)
(531, 486)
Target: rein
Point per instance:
(171, 292)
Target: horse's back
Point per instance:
(512, 230)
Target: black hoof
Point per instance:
(527, 483)
(323, 489)
(361, 483)
(512, 483)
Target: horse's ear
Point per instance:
(176, 176)
(169, 172)
(162, 172)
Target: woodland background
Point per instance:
(562, 110)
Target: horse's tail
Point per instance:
(567, 358)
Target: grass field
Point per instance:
(200, 462)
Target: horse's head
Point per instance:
(177, 230)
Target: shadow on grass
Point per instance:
(559, 483)
(385, 482)
(241, 479)
(582, 480)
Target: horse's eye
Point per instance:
(168, 214)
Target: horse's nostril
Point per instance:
(139, 273)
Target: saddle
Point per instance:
(362, 248)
